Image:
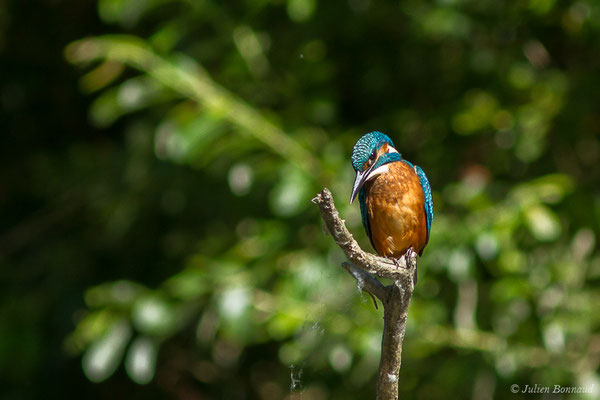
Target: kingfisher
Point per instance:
(395, 198)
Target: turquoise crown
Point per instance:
(366, 145)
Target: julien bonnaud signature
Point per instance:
(552, 389)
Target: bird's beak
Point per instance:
(359, 181)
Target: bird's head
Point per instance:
(372, 151)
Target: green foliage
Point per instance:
(219, 122)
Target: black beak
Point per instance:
(359, 181)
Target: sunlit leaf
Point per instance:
(153, 315)
(103, 357)
(140, 362)
(543, 223)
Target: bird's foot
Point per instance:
(410, 262)
(409, 256)
(396, 262)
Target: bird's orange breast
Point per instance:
(396, 211)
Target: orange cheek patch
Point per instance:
(384, 149)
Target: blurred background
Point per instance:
(157, 239)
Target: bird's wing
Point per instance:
(428, 198)
(362, 195)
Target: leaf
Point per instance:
(543, 223)
(140, 362)
(102, 358)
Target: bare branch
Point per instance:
(395, 297)
(395, 313)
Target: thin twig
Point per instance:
(366, 282)
(395, 297)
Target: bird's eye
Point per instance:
(372, 156)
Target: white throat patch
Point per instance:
(378, 171)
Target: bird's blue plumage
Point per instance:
(387, 158)
(428, 198)
(362, 196)
(366, 145)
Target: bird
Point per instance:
(395, 198)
